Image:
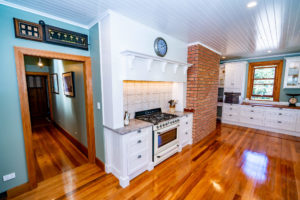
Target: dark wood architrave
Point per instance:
(20, 52)
(277, 81)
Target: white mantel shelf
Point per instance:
(131, 56)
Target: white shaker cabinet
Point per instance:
(186, 130)
(298, 123)
(128, 155)
(292, 72)
(281, 120)
(235, 74)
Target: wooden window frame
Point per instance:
(277, 79)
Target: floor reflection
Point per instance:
(255, 165)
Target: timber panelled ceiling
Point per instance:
(227, 26)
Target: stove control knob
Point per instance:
(157, 126)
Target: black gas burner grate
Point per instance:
(154, 116)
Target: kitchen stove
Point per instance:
(157, 117)
(165, 133)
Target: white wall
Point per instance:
(118, 34)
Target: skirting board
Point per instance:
(292, 133)
(16, 191)
(77, 144)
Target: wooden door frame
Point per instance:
(20, 52)
(49, 88)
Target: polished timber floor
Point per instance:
(54, 154)
(231, 163)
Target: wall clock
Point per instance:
(160, 47)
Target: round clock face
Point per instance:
(160, 47)
(293, 100)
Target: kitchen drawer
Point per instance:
(230, 117)
(137, 143)
(231, 108)
(281, 124)
(138, 132)
(298, 123)
(137, 160)
(285, 113)
(186, 122)
(252, 111)
(254, 120)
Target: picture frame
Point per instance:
(68, 84)
(54, 83)
(28, 30)
(65, 37)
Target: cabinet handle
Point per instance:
(252, 110)
(230, 115)
(279, 122)
(186, 133)
(139, 141)
(280, 113)
(230, 108)
(139, 156)
(251, 117)
(139, 131)
(186, 123)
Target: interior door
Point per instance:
(37, 95)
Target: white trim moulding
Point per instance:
(208, 47)
(131, 56)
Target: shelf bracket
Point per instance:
(175, 68)
(149, 64)
(185, 68)
(163, 66)
(130, 60)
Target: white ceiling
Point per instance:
(227, 26)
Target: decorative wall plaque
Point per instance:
(28, 30)
(66, 38)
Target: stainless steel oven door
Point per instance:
(165, 138)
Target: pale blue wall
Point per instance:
(12, 154)
(69, 112)
(95, 56)
(283, 97)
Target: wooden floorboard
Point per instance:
(54, 153)
(231, 163)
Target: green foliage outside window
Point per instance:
(263, 84)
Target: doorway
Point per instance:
(29, 97)
(39, 98)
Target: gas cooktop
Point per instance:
(154, 116)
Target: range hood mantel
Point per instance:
(149, 60)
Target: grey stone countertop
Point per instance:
(134, 125)
(178, 113)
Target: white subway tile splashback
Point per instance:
(144, 95)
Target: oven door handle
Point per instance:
(159, 133)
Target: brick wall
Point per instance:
(202, 89)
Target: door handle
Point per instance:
(139, 156)
(139, 141)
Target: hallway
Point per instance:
(54, 153)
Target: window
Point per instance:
(264, 80)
